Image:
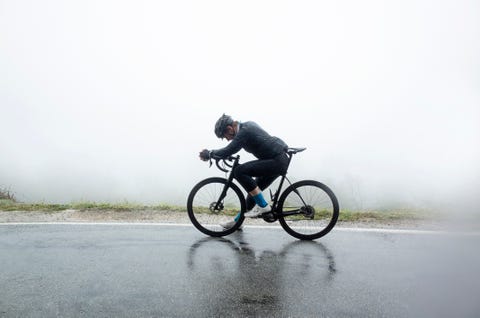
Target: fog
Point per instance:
(113, 100)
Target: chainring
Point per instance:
(269, 217)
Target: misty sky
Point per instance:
(113, 100)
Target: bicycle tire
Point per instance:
(204, 195)
(320, 206)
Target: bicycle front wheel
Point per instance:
(207, 209)
(309, 210)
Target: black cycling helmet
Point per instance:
(221, 125)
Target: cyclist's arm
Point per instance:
(233, 147)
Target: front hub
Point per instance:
(218, 210)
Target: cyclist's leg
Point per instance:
(266, 172)
(244, 173)
(263, 183)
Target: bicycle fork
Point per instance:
(225, 188)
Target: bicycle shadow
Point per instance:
(302, 252)
(229, 273)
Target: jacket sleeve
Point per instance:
(233, 147)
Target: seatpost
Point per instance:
(290, 156)
(284, 176)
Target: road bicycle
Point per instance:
(306, 209)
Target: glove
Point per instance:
(204, 155)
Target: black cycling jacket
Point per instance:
(254, 140)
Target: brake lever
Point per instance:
(221, 168)
(227, 164)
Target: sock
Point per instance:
(260, 200)
(237, 216)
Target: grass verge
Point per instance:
(8, 205)
(383, 216)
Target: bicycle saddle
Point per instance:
(293, 151)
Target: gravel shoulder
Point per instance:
(165, 216)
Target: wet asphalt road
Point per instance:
(165, 271)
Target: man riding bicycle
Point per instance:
(256, 175)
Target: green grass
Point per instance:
(9, 205)
(384, 215)
(370, 216)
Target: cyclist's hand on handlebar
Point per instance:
(204, 155)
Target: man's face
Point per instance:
(229, 133)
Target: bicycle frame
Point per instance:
(275, 199)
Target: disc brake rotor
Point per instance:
(308, 211)
(212, 207)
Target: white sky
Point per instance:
(113, 100)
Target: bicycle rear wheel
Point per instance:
(309, 210)
(204, 212)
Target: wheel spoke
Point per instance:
(204, 198)
(318, 209)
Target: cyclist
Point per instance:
(256, 175)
